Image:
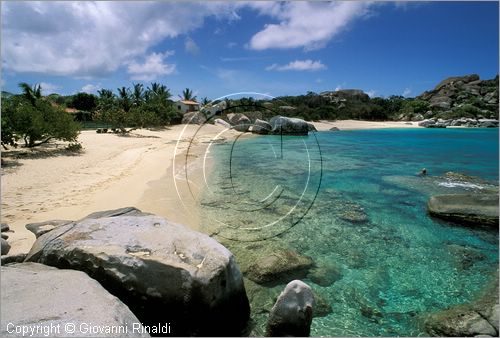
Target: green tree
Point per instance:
(138, 94)
(31, 93)
(36, 122)
(84, 101)
(124, 98)
(187, 94)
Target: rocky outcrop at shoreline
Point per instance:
(461, 122)
(163, 271)
(468, 209)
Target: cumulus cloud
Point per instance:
(153, 67)
(406, 92)
(298, 65)
(48, 88)
(305, 24)
(92, 39)
(191, 46)
(91, 88)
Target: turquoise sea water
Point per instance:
(353, 201)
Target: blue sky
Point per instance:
(218, 48)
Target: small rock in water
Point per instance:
(278, 265)
(465, 257)
(321, 306)
(5, 236)
(325, 273)
(293, 312)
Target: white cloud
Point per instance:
(92, 39)
(339, 87)
(406, 92)
(91, 88)
(305, 24)
(191, 46)
(298, 65)
(231, 44)
(48, 88)
(154, 66)
(371, 93)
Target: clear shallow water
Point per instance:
(357, 207)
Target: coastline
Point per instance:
(112, 172)
(116, 171)
(324, 125)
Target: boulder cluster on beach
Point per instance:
(123, 266)
(277, 125)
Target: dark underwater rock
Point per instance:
(479, 317)
(278, 266)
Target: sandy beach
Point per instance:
(355, 124)
(116, 171)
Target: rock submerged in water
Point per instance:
(480, 317)
(467, 209)
(293, 312)
(163, 271)
(34, 293)
(278, 266)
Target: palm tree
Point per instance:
(105, 94)
(187, 94)
(205, 101)
(31, 93)
(138, 94)
(124, 94)
(158, 91)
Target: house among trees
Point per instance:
(187, 106)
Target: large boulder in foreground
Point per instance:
(163, 271)
(288, 126)
(292, 313)
(480, 317)
(36, 294)
(467, 209)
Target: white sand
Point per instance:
(355, 124)
(114, 172)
